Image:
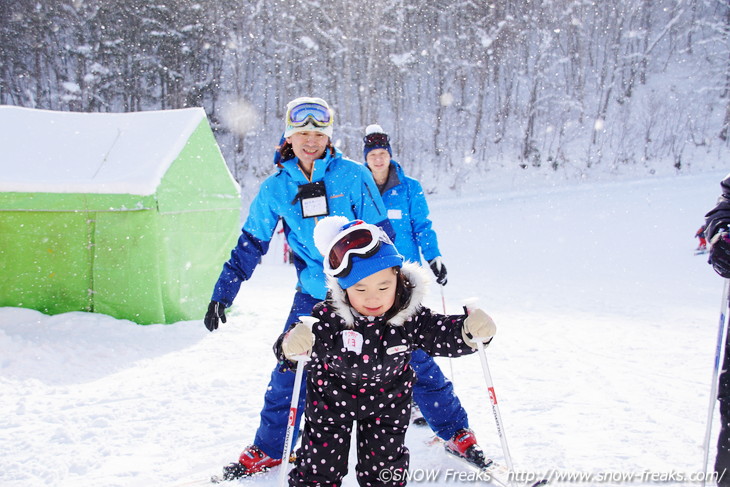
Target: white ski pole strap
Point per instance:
(493, 400)
(301, 360)
(451, 360)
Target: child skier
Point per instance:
(360, 349)
(703, 241)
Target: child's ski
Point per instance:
(235, 471)
(485, 469)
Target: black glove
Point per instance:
(216, 311)
(720, 252)
(439, 270)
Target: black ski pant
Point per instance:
(382, 457)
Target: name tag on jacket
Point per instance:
(352, 340)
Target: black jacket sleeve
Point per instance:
(440, 335)
(719, 216)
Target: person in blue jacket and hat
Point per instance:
(415, 237)
(312, 180)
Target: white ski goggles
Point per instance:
(358, 238)
(304, 113)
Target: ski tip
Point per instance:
(470, 302)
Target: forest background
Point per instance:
(578, 88)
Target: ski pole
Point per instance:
(719, 353)
(301, 360)
(451, 360)
(495, 407)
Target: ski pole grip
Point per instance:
(307, 321)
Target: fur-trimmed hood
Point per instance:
(414, 273)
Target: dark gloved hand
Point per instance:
(439, 270)
(720, 252)
(215, 312)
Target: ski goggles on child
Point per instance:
(304, 113)
(376, 139)
(360, 239)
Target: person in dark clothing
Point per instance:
(360, 347)
(717, 232)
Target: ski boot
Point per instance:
(464, 445)
(251, 461)
(417, 416)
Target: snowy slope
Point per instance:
(602, 362)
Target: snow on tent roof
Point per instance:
(107, 153)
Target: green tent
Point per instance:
(126, 214)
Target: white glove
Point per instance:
(478, 325)
(298, 341)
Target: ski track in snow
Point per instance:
(602, 362)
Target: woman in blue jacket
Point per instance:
(414, 236)
(312, 180)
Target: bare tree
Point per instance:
(521, 83)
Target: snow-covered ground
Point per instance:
(607, 325)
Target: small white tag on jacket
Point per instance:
(353, 341)
(396, 349)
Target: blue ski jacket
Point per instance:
(350, 192)
(408, 213)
